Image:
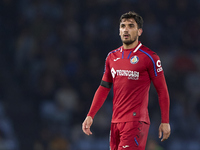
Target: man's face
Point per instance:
(129, 31)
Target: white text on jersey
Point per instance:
(134, 75)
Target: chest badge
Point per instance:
(134, 59)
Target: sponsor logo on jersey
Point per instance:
(133, 75)
(158, 64)
(125, 146)
(116, 59)
(113, 72)
(134, 59)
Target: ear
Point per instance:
(140, 32)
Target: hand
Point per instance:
(87, 124)
(164, 131)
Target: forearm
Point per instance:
(98, 100)
(163, 96)
(164, 103)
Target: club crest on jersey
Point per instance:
(134, 59)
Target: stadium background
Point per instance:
(52, 56)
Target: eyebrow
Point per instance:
(128, 20)
(128, 23)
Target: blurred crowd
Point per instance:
(52, 55)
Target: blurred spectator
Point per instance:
(59, 143)
(8, 140)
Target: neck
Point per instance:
(130, 46)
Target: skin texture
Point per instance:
(87, 124)
(129, 33)
(164, 131)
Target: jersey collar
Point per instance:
(134, 49)
(137, 47)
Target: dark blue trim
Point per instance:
(108, 55)
(129, 55)
(114, 51)
(136, 141)
(123, 55)
(154, 65)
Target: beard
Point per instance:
(128, 42)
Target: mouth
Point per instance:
(126, 36)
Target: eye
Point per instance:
(132, 25)
(122, 25)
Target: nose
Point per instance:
(126, 29)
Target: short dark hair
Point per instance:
(138, 19)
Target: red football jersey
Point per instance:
(131, 72)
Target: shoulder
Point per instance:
(152, 57)
(114, 51)
(147, 51)
(154, 62)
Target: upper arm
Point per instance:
(106, 84)
(107, 71)
(154, 66)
